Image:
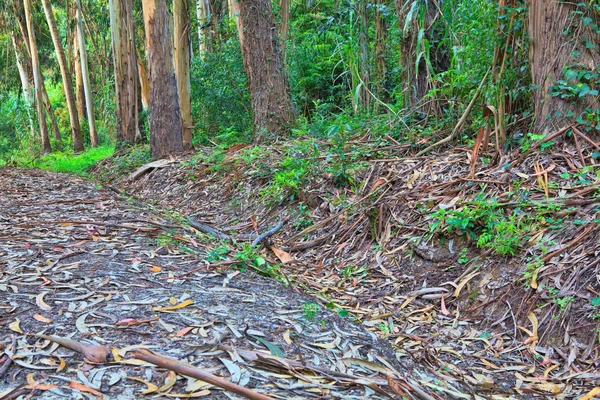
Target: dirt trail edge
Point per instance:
(83, 263)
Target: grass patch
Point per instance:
(71, 163)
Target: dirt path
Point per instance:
(81, 262)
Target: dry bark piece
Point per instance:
(91, 352)
(189, 370)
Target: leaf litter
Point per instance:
(484, 326)
(82, 267)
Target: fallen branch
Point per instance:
(186, 369)
(538, 144)
(91, 352)
(461, 122)
(9, 360)
(268, 233)
(256, 239)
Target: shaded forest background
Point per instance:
(406, 70)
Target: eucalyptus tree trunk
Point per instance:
(28, 89)
(381, 33)
(284, 29)
(85, 75)
(203, 16)
(67, 85)
(51, 115)
(125, 68)
(37, 79)
(144, 84)
(181, 58)
(414, 20)
(165, 115)
(559, 40)
(263, 62)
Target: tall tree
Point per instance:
(85, 75)
(37, 78)
(284, 28)
(414, 19)
(125, 69)
(563, 38)
(263, 62)
(67, 85)
(203, 16)
(165, 116)
(181, 58)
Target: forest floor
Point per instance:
(83, 263)
(486, 274)
(384, 287)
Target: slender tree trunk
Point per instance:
(284, 29)
(144, 84)
(89, 102)
(203, 15)
(67, 85)
(381, 33)
(51, 115)
(125, 67)
(37, 78)
(181, 58)
(364, 62)
(263, 62)
(165, 115)
(24, 66)
(415, 77)
(550, 51)
(79, 92)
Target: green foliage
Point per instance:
(73, 163)
(220, 101)
(487, 223)
(310, 310)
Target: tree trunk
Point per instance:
(381, 32)
(79, 92)
(89, 102)
(51, 115)
(144, 84)
(263, 62)
(37, 78)
(284, 29)
(24, 66)
(181, 58)
(67, 85)
(415, 77)
(551, 51)
(203, 15)
(165, 116)
(125, 67)
(364, 63)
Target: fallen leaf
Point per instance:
(41, 318)
(175, 307)
(15, 326)
(283, 256)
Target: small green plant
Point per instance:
(384, 328)
(218, 254)
(310, 310)
(462, 257)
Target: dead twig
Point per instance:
(9, 360)
(186, 369)
(461, 121)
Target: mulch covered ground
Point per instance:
(85, 263)
(485, 326)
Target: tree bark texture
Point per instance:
(284, 29)
(182, 28)
(37, 79)
(263, 62)
(85, 75)
(165, 116)
(556, 44)
(67, 85)
(125, 68)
